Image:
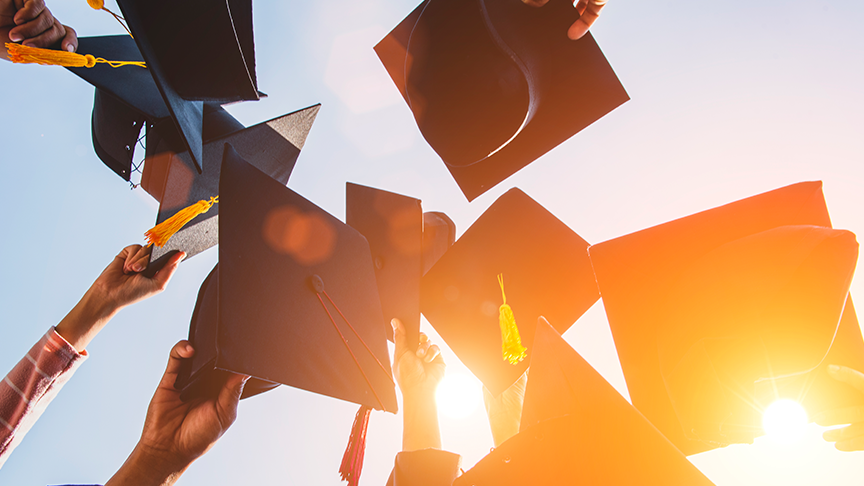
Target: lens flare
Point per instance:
(785, 421)
(458, 395)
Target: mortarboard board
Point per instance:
(296, 298)
(185, 68)
(272, 147)
(493, 85)
(394, 225)
(644, 276)
(576, 429)
(546, 271)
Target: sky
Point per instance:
(727, 101)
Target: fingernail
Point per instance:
(833, 368)
(393, 323)
(246, 378)
(70, 48)
(189, 348)
(15, 37)
(419, 353)
(138, 268)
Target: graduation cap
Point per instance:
(716, 314)
(576, 429)
(185, 69)
(545, 271)
(272, 147)
(296, 300)
(402, 247)
(493, 85)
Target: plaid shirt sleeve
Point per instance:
(31, 385)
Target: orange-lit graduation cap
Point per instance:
(296, 298)
(394, 225)
(576, 429)
(493, 85)
(545, 269)
(718, 314)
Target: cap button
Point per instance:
(317, 284)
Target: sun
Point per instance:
(785, 421)
(458, 395)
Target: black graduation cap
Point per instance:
(196, 52)
(394, 225)
(545, 269)
(719, 313)
(272, 146)
(296, 297)
(576, 429)
(493, 85)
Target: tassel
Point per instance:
(162, 232)
(352, 460)
(511, 343)
(50, 57)
(100, 5)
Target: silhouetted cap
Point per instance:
(297, 300)
(545, 269)
(495, 85)
(394, 226)
(195, 52)
(576, 429)
(718, 314)
(272, 146)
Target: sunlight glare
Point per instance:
(785, 421)
(458, 395)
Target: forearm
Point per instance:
(31, 386)
(85, 320)
(420, 428)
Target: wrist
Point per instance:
(149, 467)
(85, 320)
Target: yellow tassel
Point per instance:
(511, 343)
(50, 57)
(162, 232)
(100, 5)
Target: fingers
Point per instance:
(229, 398)
(38, 30)
(840, 416)
(182, 350)
(535, 3)
(70, 41)
(29, 11)
(163, 276)
(848, 376)
(136, 258)
(847, 433)
(856, 444)
(589, 11)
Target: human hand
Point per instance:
(851, 437)
(588, 10)
(176, 432)
(119, 285)
(418, 368)
(31, 23)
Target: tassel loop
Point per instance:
(352, 460)
(511, 344)
(49, 57)
(162, 232)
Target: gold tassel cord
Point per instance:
(100, 5)
(511, 344)
(50, 57)
(162, 232)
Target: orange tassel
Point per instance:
(50, 57)
(511, 344)
(100, 5)
(162, 232)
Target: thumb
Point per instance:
(163, 276)
(229, 398)
(399, 338)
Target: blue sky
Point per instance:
(728, 100)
